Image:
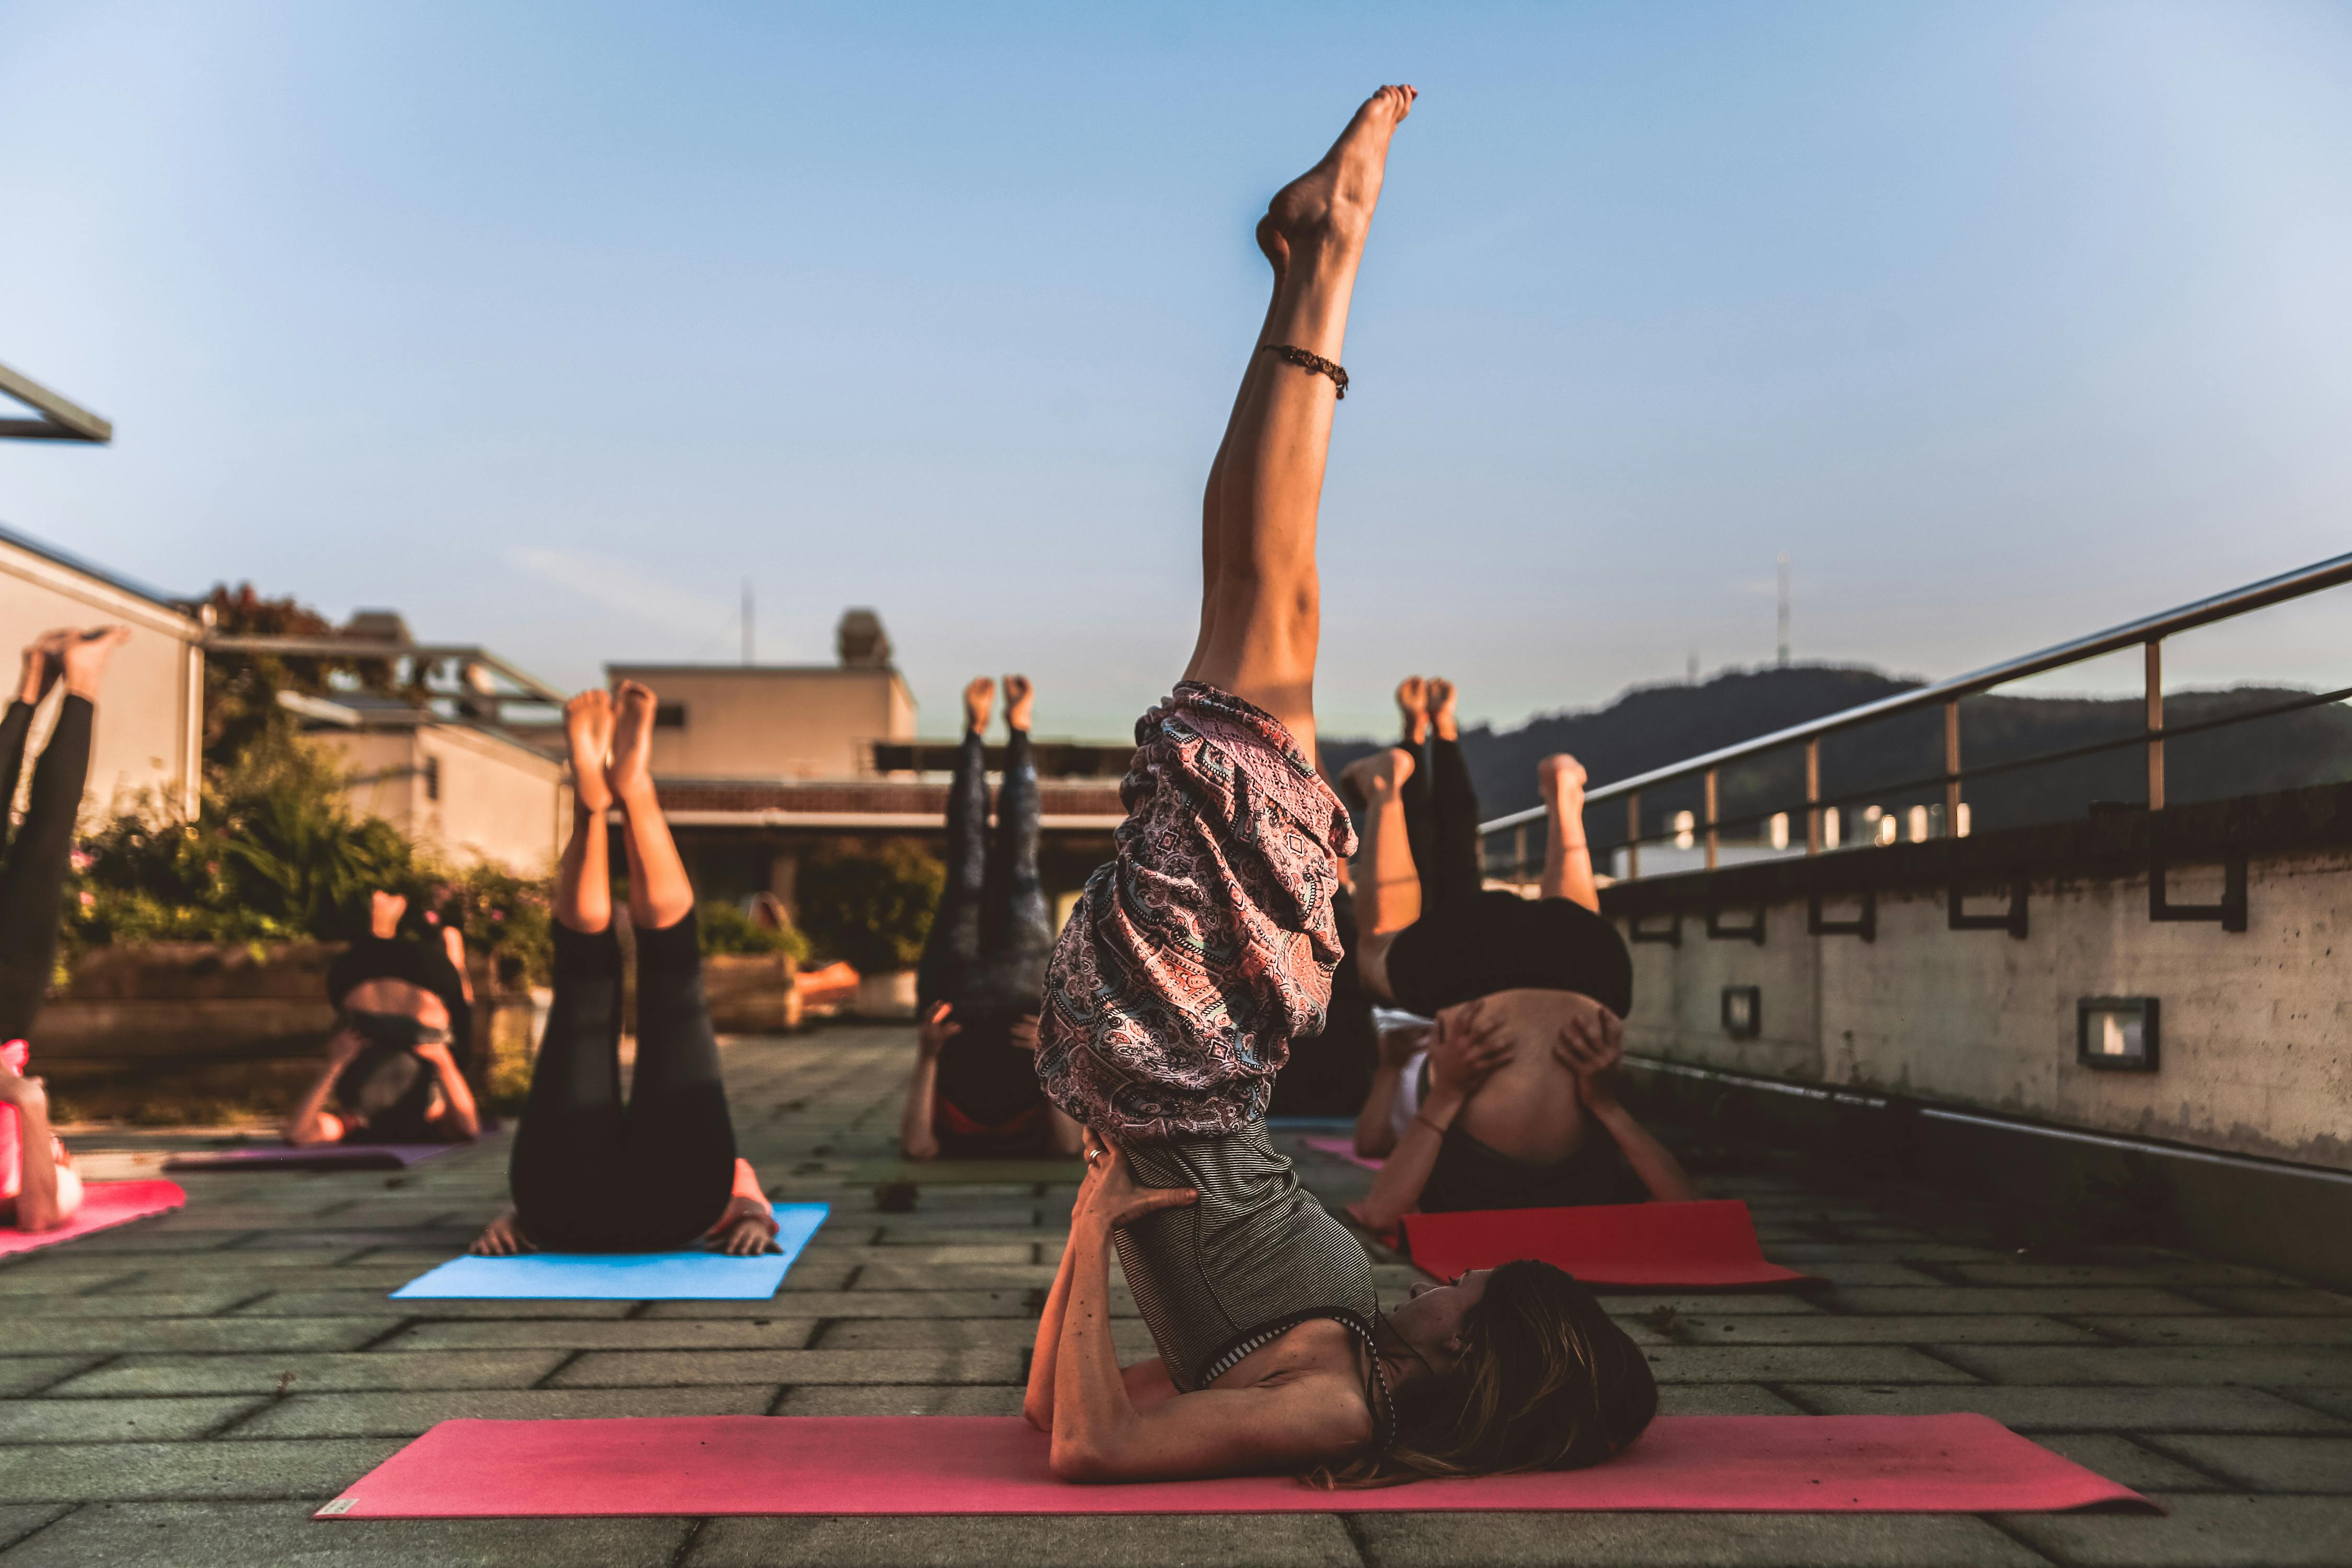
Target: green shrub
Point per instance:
(726, 928)
(870, 907)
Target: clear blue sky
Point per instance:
(548, 324)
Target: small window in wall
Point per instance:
(433, 778)
(669, 715)
(2116, 1034)
(1743, 1011)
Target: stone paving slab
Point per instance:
(1132, 1540)
(376, 1303)
(2282, 1301)
(135, 1472)
(2224, 1330)
(923, 1304)
(898, 1399)
(2052, 1302)
(2199, 1531)
(2108, 1409)
(117, 1420)
(2271, 1464)
(1685, 1540)
(29, 1278)
(115, 1335)
(1824, 1329)
(1801, 1363)
(410, 1415)
(2136, 1464)
(21, 1375)
(247, 1535)
(670, 1368)
(636, 1334)
(2171, 1367)
(143, 1375)
(26, 1308)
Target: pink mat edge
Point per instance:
(2097, 1492)
(14, 1241)
(1763, 1273)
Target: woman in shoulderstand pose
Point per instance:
(1192, 961)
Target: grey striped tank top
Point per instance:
(1255, 1255)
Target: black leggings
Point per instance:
(992, 936)
(33, 880)
(1470, 943)
(590, 1174)
(1441, 824)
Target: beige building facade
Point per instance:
(772, 722)
(147, 745)
(470, 793)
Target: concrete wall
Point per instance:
(149, 713)
(496, 800)
(2256, 1027)
(755, 722)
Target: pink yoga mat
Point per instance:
(699, 1465)
(1695, 1244)
(1345, 1148)
(103, 1205)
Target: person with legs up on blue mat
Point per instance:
(38, 1187)
(1191, 962)
(659, 1174)
(974, 1093)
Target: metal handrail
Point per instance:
(2149, 630)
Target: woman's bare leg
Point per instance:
(1568, 858)
(583, 884)
(1388, 892)
(1259, 618)
(659, 893)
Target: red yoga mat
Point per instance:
(1693, 1245)
(702, 1465)
(103, 1205)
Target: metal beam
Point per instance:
(61, 419)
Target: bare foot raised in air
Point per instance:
(1020, 701)
(1331, 205)
(1562, 777)
(42, 665)
(84, 655)
(1441, 709)
(630, 774)
(588, 732)
(1413, 701)
(979, 700)
(1377, 774)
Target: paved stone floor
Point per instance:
(186, 1389)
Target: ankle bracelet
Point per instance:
(1312, 362)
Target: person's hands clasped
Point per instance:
(1589, 1045)
(1110, 1197)
(1464, 1052)
(936, 1030)
(1399, 1047)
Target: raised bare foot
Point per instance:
(1332, 202)
(1379, 774)
(1020, 701)
(41, 664)
(1561, 778)
(1413, 701)
(588, 732)
(1441, 708)
(978, 699)
(84, 655)
(631, 773)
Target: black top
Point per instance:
(1500, 941)
(422, 964)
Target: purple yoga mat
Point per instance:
(313, 1157)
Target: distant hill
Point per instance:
(1651, 726)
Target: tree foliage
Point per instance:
(870, 907)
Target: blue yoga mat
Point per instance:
(623, 1276)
